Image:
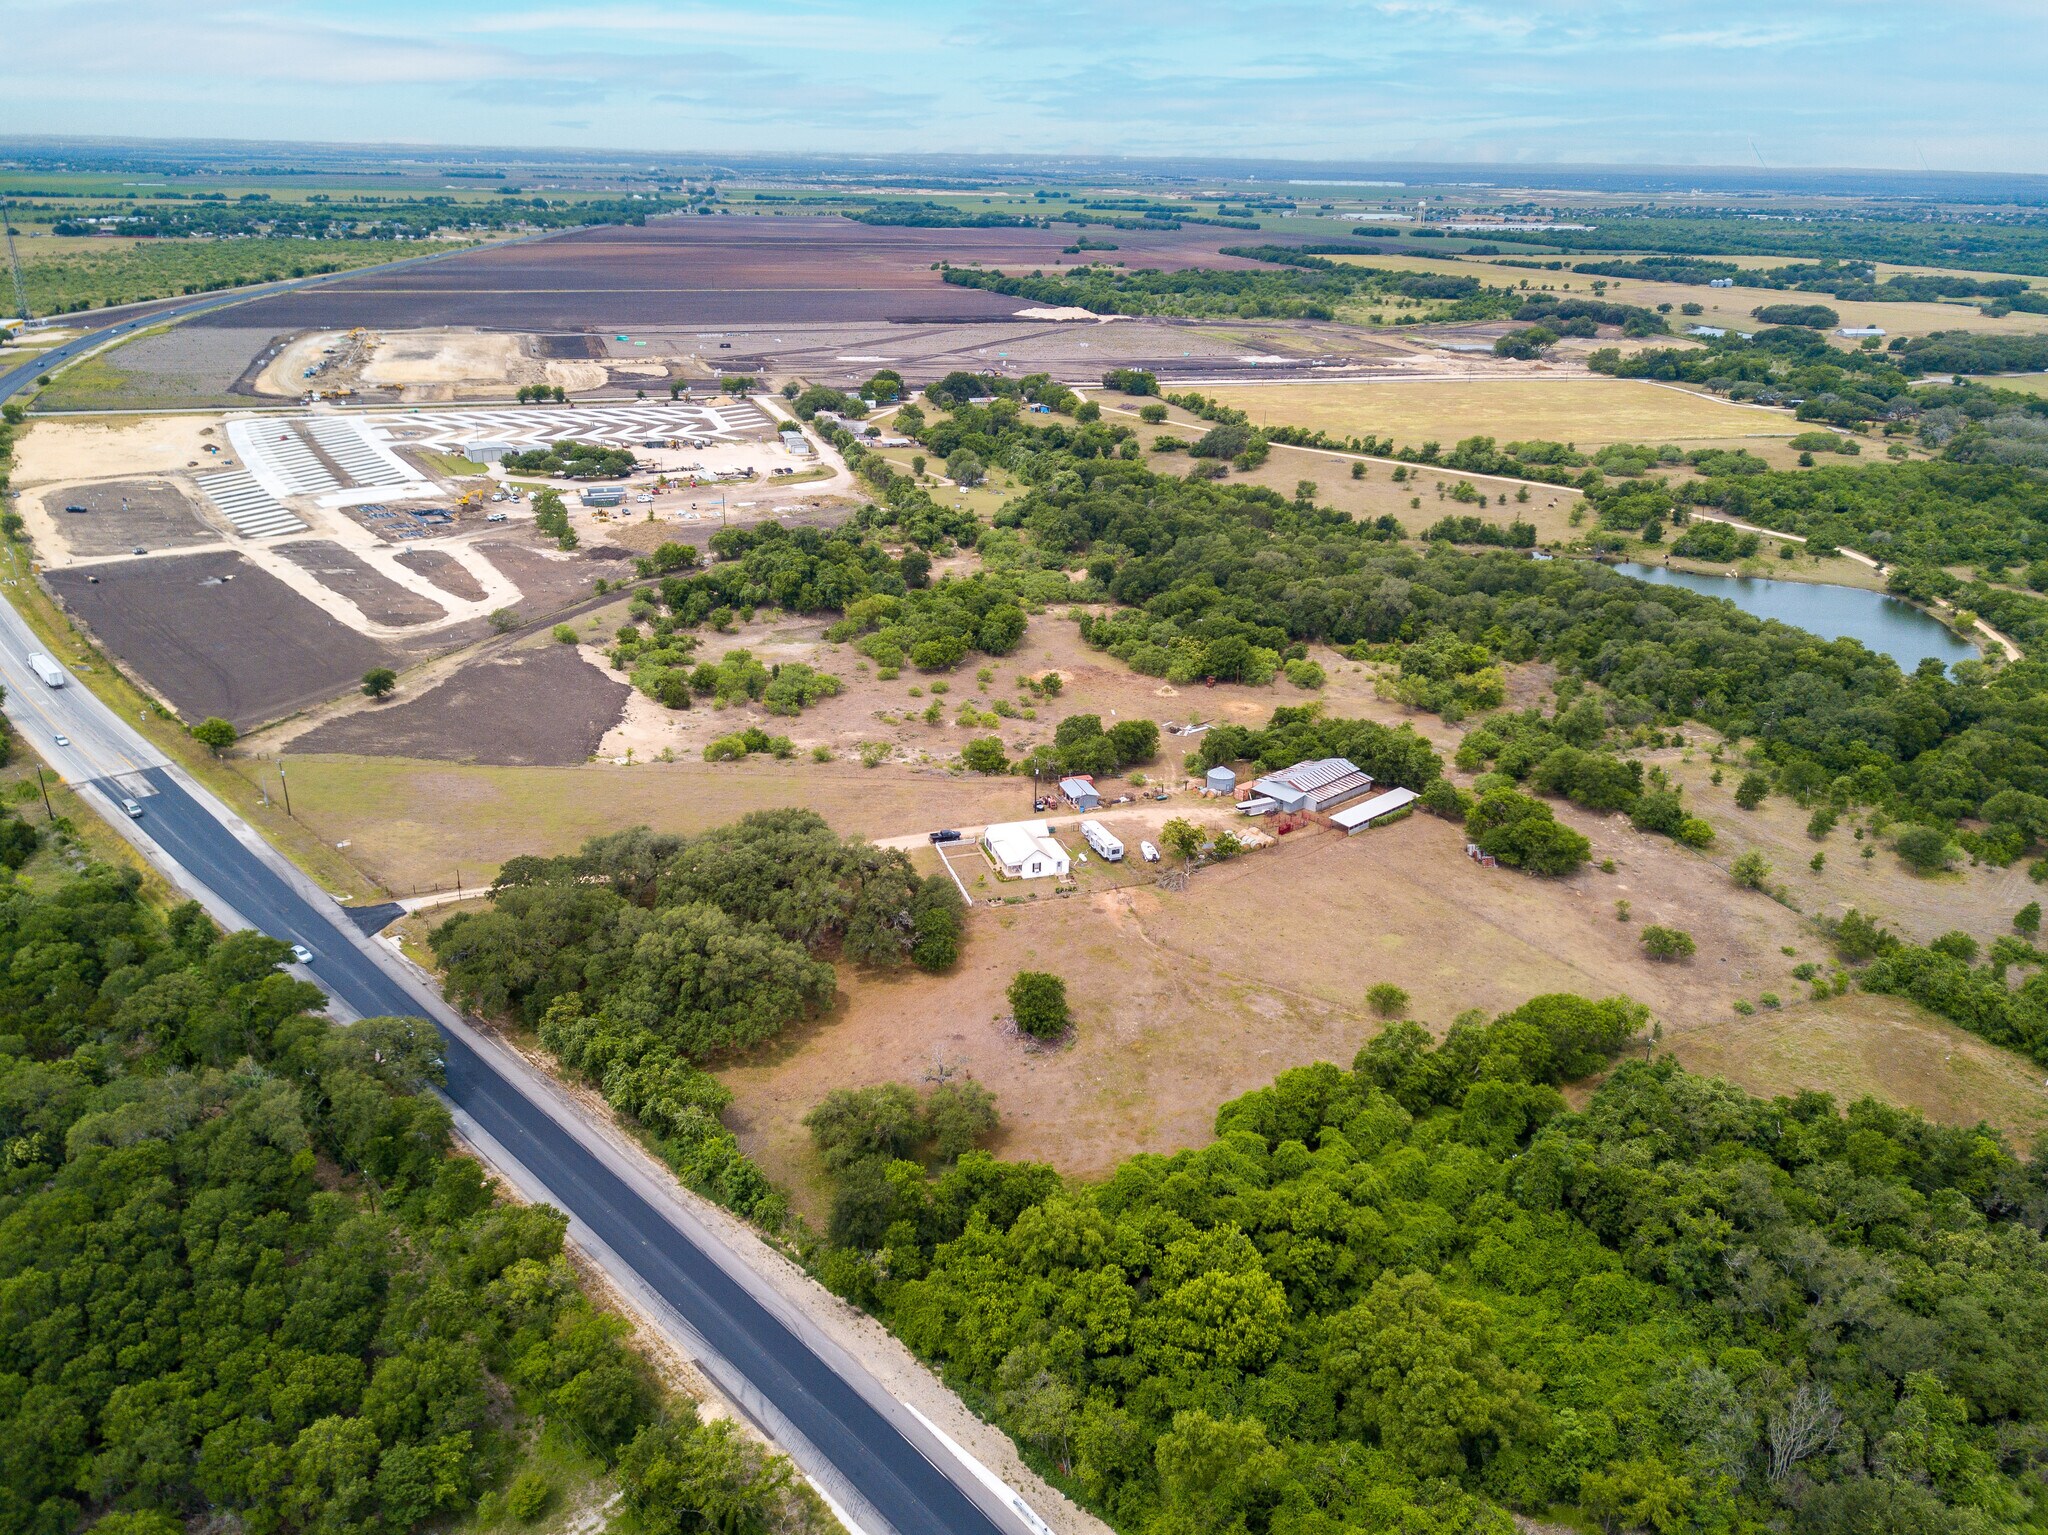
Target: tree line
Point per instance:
(644, 955)
(245, 1280)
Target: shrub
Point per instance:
(378, 682)
(985, 754)
(528, 1496)
(1924, 850)
(1305, 674)
(2028, 919)
(1039, 1003)
(565, 634)
(1750, 870)
(1751, 791)
(1668, 943)
(1386, 999)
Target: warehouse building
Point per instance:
(1318, 785)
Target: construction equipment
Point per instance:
(14, 261)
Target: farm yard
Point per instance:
(1184, 999)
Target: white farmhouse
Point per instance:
(1025, 850)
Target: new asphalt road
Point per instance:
(878, 1460)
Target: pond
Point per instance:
(1884, 624)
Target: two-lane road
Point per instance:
(873, 1456)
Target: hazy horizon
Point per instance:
(1831, 84)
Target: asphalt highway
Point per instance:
(874, 1456)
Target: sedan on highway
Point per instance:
(302, 954)
(61, 740)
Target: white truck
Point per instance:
(51, 673)
(1106, 846)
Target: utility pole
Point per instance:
(14, 261)
(46, 795)
(285, 784)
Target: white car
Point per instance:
(302, 954)
(61, 740)
(644, 500)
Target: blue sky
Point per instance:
(1811, 82)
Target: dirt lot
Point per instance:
(445, 573)
(214, 635)
(539, 705)
(123, 513)
(548, 579)
(1586, 411)
(438, 364)
(381, 599)
(60, 452)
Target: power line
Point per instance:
(14, 260)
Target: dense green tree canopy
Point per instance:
(1407, 1295)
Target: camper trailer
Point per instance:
(1106, 846)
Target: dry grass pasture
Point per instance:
(1730, 308)
(1589, 412)
(1185, 999)
(1883, 1046)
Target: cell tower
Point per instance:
(14, 261)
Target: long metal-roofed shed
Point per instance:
(1318, 785)
(1355, 818)
(1081, 792)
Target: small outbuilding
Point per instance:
(1220, 780)
(1356, 818)
(1080, 791)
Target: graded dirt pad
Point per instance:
(1590, 412)
(123, 513)
(537, 706)
(248, 649)
(706, 271)
(382, 600)
(444, 572)
(546, 578)
(69, 451)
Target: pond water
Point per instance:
(1884, 624)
